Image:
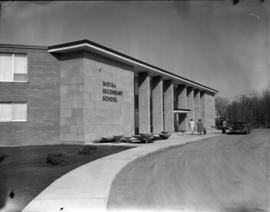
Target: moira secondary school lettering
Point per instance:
(108, 91)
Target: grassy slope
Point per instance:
(26, 173)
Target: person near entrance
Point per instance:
(200, 126)
(191, 126)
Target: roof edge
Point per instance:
(53, 49)
(19, 46)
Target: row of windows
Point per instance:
(13, 67)
(10, 112)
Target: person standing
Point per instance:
(191, 126)
(200, 127)
(224, 126)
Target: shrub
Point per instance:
(165, 134)
(117, 138)
(125, 139)
(157, 137)
(55, 159)
(134, 140)
(107, 139)
(87, 150)
(146, 137)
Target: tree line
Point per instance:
(254, 109)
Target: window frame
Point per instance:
(13, 55)
(12, 112)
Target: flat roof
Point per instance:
(19, 46)
(105, 51)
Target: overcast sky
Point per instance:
(216, 43)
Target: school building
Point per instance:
(81, 91)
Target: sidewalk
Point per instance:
(87, 187)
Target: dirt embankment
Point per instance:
(227, 173)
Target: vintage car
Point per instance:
(239, 127)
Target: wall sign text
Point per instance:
(110, 93)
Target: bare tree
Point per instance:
(254, 109)
(221, 105)
(266, 102)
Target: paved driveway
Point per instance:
(225, 173)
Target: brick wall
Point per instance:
(41, 93)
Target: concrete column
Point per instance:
(168, 106)
(209, 110)
(202, 94)
(182, 96)
(144, 102)
(197, 105)
(157, 104)
(182, 103)
(190, 103)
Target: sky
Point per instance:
(213, 42)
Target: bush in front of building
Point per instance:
(87, 150)
(165, 134)
(146, 137)
(55, 159)
(125, 139)
(107, 139)
(117, 138)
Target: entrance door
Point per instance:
(180, 122)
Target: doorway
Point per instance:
(180, 122)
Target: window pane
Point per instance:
(5, 111)
(19, 111)
(6, 67)
(20, 64)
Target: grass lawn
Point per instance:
(25, 171)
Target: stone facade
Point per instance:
(202, 106)
(182, 104)
(97, 98)
(197, 105)
(144, 102)
(209, 110)
(72, 98)
(190, 103)
(168, 105)
(182, 97)
(109, 112)
(157, 108)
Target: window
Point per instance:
(10, 112)
(13, 67)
